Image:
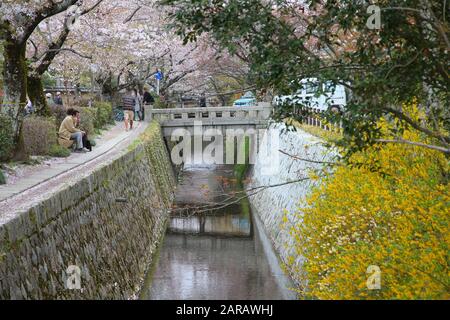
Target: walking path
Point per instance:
(37, 185)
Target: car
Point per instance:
(330, 97)
(247, 100)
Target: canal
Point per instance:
(215, 254)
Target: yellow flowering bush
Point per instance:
(396, 220)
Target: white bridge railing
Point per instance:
(215, 114)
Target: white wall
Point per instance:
(271, 203)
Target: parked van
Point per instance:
(247, 100)
(331, 97)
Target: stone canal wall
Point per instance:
(83, 227)
(277, 206)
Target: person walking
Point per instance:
(68, 133)
(137, 106)
(58, 99)
(128, 105)
(29, 108)
(203, 101)
(147, 100)
(49, 98)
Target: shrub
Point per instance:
(2, 178)
(6, 138)
(88, 118)
(39, 134)
(104, 114)
(83, 101)
(59, 113)
(58, 151)
(396, 219)
(240, 169)
(160, 103)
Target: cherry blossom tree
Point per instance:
(18, 20)
(121, 43)
(127, 42)
(47, 42)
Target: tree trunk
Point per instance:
(36, 95)
(107, 87)
(14, 87)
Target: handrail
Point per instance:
(207, 109)
(178, 115)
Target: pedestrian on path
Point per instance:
(58, 99)
(137, 106)
(49, 98)
(128, 104)
(147, 100)
(68, 133)
(29, 108)
(203, 101)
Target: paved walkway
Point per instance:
(34, 187)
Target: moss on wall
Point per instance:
(241, 169)
(83, 224)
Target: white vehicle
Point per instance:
(331, 97)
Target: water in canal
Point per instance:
(222, 254)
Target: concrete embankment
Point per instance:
(99, 231)
(277, 207)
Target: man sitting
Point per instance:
(68, 133)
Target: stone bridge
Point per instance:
(212, 117)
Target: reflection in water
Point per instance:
(219, 256)
(230, 224)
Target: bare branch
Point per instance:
(66, 49)
(441, 30)
(402, 65)
(416, 126)
(44, 13)
(91, 8)
(56, 47)
(413, 143)
(309, 160)
(128, 19)
(35, 50)
(233, 199)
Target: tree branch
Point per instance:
(232, 199)
(85, 11)
(128, 19)
(413, 143)
(402, 65)
(43, 13)
(416, 126)
(56, 47)
(309, 160)
(35, 50)
(67, 49)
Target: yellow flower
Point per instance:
(398, 221)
